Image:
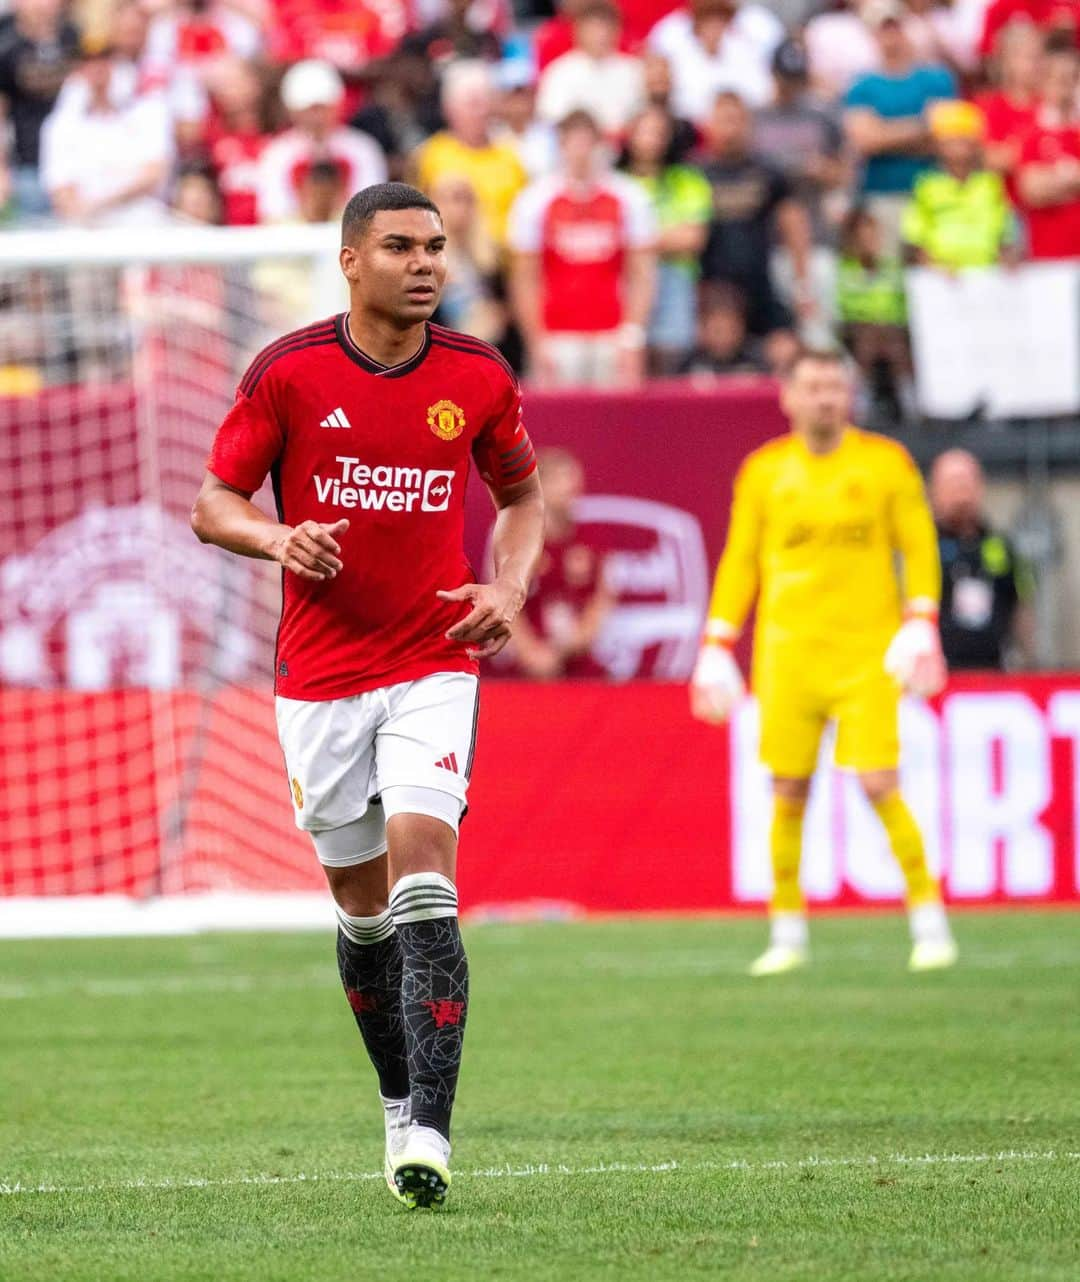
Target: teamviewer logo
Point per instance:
(436, 495)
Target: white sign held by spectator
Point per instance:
(1004, 342)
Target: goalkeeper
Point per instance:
(819, 522)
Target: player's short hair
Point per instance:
(369, 201)
(815, 356)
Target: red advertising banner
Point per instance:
(659, 464)
(592, 796)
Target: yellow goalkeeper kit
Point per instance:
(834, 547)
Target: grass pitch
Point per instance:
(631, 1107)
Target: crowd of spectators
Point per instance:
(629, 190)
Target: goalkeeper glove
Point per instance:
(717, 684)
(914, 658)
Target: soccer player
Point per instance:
(367, 423)
(818, 522)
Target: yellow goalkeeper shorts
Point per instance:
(799, 694)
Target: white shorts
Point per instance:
(341, 753)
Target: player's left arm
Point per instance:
(507, 463)
(516, 546)
(914, 655)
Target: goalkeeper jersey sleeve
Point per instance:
(913, 533)
(736, 582)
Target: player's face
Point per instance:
(397, 267)
(817, 397)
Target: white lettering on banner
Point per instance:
(978, 779)
(1063, 713)
(991, 816)
(384, 488)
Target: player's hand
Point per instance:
(717, 684)
(486, 628)
(311, 549)
(914, 658)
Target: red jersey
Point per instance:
(1048, 15)
(389, 448)
(235, 158)
(582, 235)
(348, 33)
(1053, 230)
(1007, 122)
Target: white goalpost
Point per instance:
(140, 778)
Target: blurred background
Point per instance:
(648, 206)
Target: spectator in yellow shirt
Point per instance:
(467, 149)
(959, 215)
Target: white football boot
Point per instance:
(789, 946)
(932, 944)
(422, 1169)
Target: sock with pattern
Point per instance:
(434, 992)
(370, 965)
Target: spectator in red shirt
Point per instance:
(1047, 15)
(569, 600)
(1009, 109)
(1048, 179)
(346, 33)
(584, 268)
(313, 94)
(237, 136)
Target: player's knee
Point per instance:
(794, 790)
(879, 785)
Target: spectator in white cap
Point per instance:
(313, 94)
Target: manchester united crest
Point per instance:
(298, 793)
(446, 420)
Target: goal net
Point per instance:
(137, 746)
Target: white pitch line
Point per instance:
(540, 1169)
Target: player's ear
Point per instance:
(348, 260)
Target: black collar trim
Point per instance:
(372, 366)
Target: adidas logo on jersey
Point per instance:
(336, 418)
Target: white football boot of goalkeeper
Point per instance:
(396, 1121)
(789, 947)
(422, 1168)
(932, 944)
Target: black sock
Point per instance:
(434, 993)
(371, 974)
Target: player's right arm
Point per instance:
(246, 446)
(228, 518)
(717, 683)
